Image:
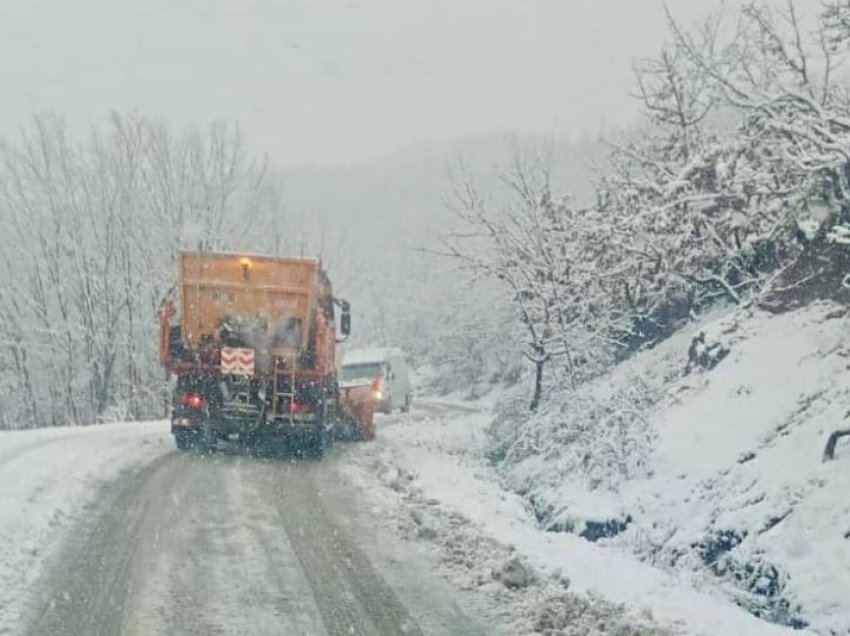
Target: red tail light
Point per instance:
(297, 408)
(193, 401)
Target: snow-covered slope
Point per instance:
(437, 459)
(733, 491)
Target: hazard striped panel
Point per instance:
(237, 361)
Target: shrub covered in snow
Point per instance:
(599, 435)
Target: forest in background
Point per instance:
(482, 257)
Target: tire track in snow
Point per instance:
(88, 593)
(196, 545)
(352, 597)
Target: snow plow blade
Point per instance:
(356, 413)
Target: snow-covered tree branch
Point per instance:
(91, 234)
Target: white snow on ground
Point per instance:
(741, 451)
(48, 478)
(735, 470)
(445, 453)
(735, 491)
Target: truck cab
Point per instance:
(387, 373)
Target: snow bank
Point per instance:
(444, 455)
(49, 480)
(733, 491)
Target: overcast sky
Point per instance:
(332, 80)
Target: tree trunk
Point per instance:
(538, 384)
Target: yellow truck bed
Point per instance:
(216, 286)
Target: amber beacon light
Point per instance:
(246, 265)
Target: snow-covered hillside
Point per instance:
(437, 467)
(732, 489)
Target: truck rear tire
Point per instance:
(185, 441)
(205, 441)
(320, 442)
(367, 432)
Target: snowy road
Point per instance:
(108, 530)
(185, 544)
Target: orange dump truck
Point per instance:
(252, 341)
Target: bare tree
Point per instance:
(92, 229)
(552, 257)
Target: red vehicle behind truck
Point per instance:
(252, 341)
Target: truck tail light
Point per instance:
(297, 408)
(194, 401)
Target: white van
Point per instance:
(386, 370)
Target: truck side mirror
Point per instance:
(345, 323)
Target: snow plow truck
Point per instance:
(251, 344)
